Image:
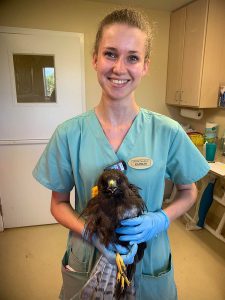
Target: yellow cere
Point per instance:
(112, 183)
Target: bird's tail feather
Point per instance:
(102, 281)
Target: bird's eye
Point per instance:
(119, 181)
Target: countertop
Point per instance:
(216, 167)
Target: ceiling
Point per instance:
(167, 5)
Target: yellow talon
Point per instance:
(121, 275)
(118, 262)
(126, 279)
(122, 264)
(122, 282)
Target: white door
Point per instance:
(41, 85)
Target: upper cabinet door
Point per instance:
(194, 42)
(196, 60)
(214, 57)
(175, 59)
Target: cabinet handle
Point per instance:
(181, 93)
(177, 98)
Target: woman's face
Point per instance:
(120, 61)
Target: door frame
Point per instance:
(1, 217)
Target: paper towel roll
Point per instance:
(192, 113)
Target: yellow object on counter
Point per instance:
(197, 138)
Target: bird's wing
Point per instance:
(102, 281)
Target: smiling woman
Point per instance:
(116, 130)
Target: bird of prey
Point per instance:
(114, 199)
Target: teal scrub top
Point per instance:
(79, 151)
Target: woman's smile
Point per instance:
(119, 82)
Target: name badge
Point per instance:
(140, 163)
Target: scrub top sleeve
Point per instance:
(53, 169)
(185, 163)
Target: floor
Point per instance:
(30, 263)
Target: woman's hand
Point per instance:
(143, 228)
(149, 225)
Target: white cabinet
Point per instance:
(196, 60)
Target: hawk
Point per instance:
(114, 199)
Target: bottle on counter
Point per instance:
(211, 130)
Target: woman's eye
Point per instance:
(110, 54)
(133, 58)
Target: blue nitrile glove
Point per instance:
(143, 228)
(110, 251)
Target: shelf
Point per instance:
(217, 232)
(219, 200)
(193, 218)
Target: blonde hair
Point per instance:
(130, 17)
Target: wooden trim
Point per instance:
(1, 218)
(24, 142)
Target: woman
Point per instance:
(118, 129)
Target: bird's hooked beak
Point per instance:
(112, 186)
